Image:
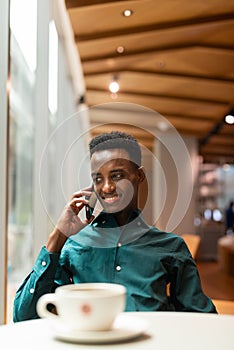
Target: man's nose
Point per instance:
(108, 186)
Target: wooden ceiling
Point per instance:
(178, 60)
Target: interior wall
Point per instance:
(174, 193)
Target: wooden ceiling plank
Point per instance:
(152, 51)
(172, 97)
(70, 4)
(221, 64)
(109, 15)
(136, 131)
(151, 27)
(162, 74)
(217, 33)
(174, 74)
(161, 105)
(177, 62)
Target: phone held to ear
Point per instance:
(90, 207)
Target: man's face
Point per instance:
(115, 179)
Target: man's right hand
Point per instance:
(69, 222)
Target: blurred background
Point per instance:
(160, 70)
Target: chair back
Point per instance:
(225, 307)
(192, 242)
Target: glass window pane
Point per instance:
(22, 123)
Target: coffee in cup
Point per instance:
(85, 306)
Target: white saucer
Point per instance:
(125, 327)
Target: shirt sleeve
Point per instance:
(40, 281)
(186, 291)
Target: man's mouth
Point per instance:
(111, 199)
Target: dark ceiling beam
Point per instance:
(153, 27)
(216, 147)
(214, 131)
(218, 150)
(227, 130)
(225, 140)
(217, 159)
(81, 3)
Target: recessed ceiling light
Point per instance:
(114, 85)
(120, 49)
(229, 119)
(127, 13)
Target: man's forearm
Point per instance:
(37, 283)
(56, 241)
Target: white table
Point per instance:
(167, 331)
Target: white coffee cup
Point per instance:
(85, 306)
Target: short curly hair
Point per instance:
(117, 139)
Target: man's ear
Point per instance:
(141, 174)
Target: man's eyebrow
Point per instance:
(117, 170)
(112, 171)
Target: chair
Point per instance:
(226, 254)
(192, 242)
(225, 307)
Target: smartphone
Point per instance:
(90, 207)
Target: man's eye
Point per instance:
(117, 176)
(97, 180)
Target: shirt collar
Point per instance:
(132, 230)
(135, 217)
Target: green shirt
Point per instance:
(141, 257)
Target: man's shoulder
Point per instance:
(163, 234)
(164, 239)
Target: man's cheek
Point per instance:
(125, 190)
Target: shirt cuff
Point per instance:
(46, 260)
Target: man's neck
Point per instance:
(123, 217)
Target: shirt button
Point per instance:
(104, 221)
(43, 263)
(139, 223)
(118, 268)
(31, 290)
(119, 244)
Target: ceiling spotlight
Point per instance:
(229, 119)
(114, 86)
(127, 13)
(120, 49)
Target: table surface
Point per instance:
(167, 330)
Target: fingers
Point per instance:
(82, 193)
(79, 199)
(76, 204)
